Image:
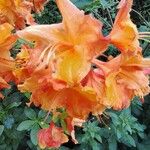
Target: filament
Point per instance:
(146, 40)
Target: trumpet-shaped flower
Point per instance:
(51, 94)
(78, 38)
(124, 34)
(124, 79)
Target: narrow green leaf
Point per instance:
(131, 140)
(1, 129)
(98, 137)
(112, 143)
(12, 105)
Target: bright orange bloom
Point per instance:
(124, 34)
(51, 137)
(51, 94)
(6, 62)
(76, 40)
(16, 12)
(124, 79)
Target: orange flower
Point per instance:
(6, 62)
(16, 12)
(51, 94)
(124, 79)
(51, 137)
(77, 39)
(124, 34)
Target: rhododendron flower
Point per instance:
(124, 79)
(124, 34)
(76, 40)
(51, 94)
(51, 137)
(6, 62)
(16, 12)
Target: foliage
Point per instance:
(113, 130)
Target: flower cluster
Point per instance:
(18, 12)
(62, 70)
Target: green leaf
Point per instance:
(131, 141)
(27, 94)
(94, 144)
(82, 3)
(33, 134)
(112, 143)
(98, 138)
(12, 105)
(104, 3)
(1, 129)
(128, 128)
(30, 113)
(25, 125)
(119, 135)
(42, 114)
(43, 125)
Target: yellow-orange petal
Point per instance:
(73, 66)
(124, 34)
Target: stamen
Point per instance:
(102, 121)
(51, 52)
(144, 36)
(19, 63)
(41, 58)
(45, 119)
(146, 40)
(144, 33)
(106, 115)
(142, 91)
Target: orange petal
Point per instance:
(124, 34)
(3, 83)
(79, 27)
(51, 137)
(15, 12)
